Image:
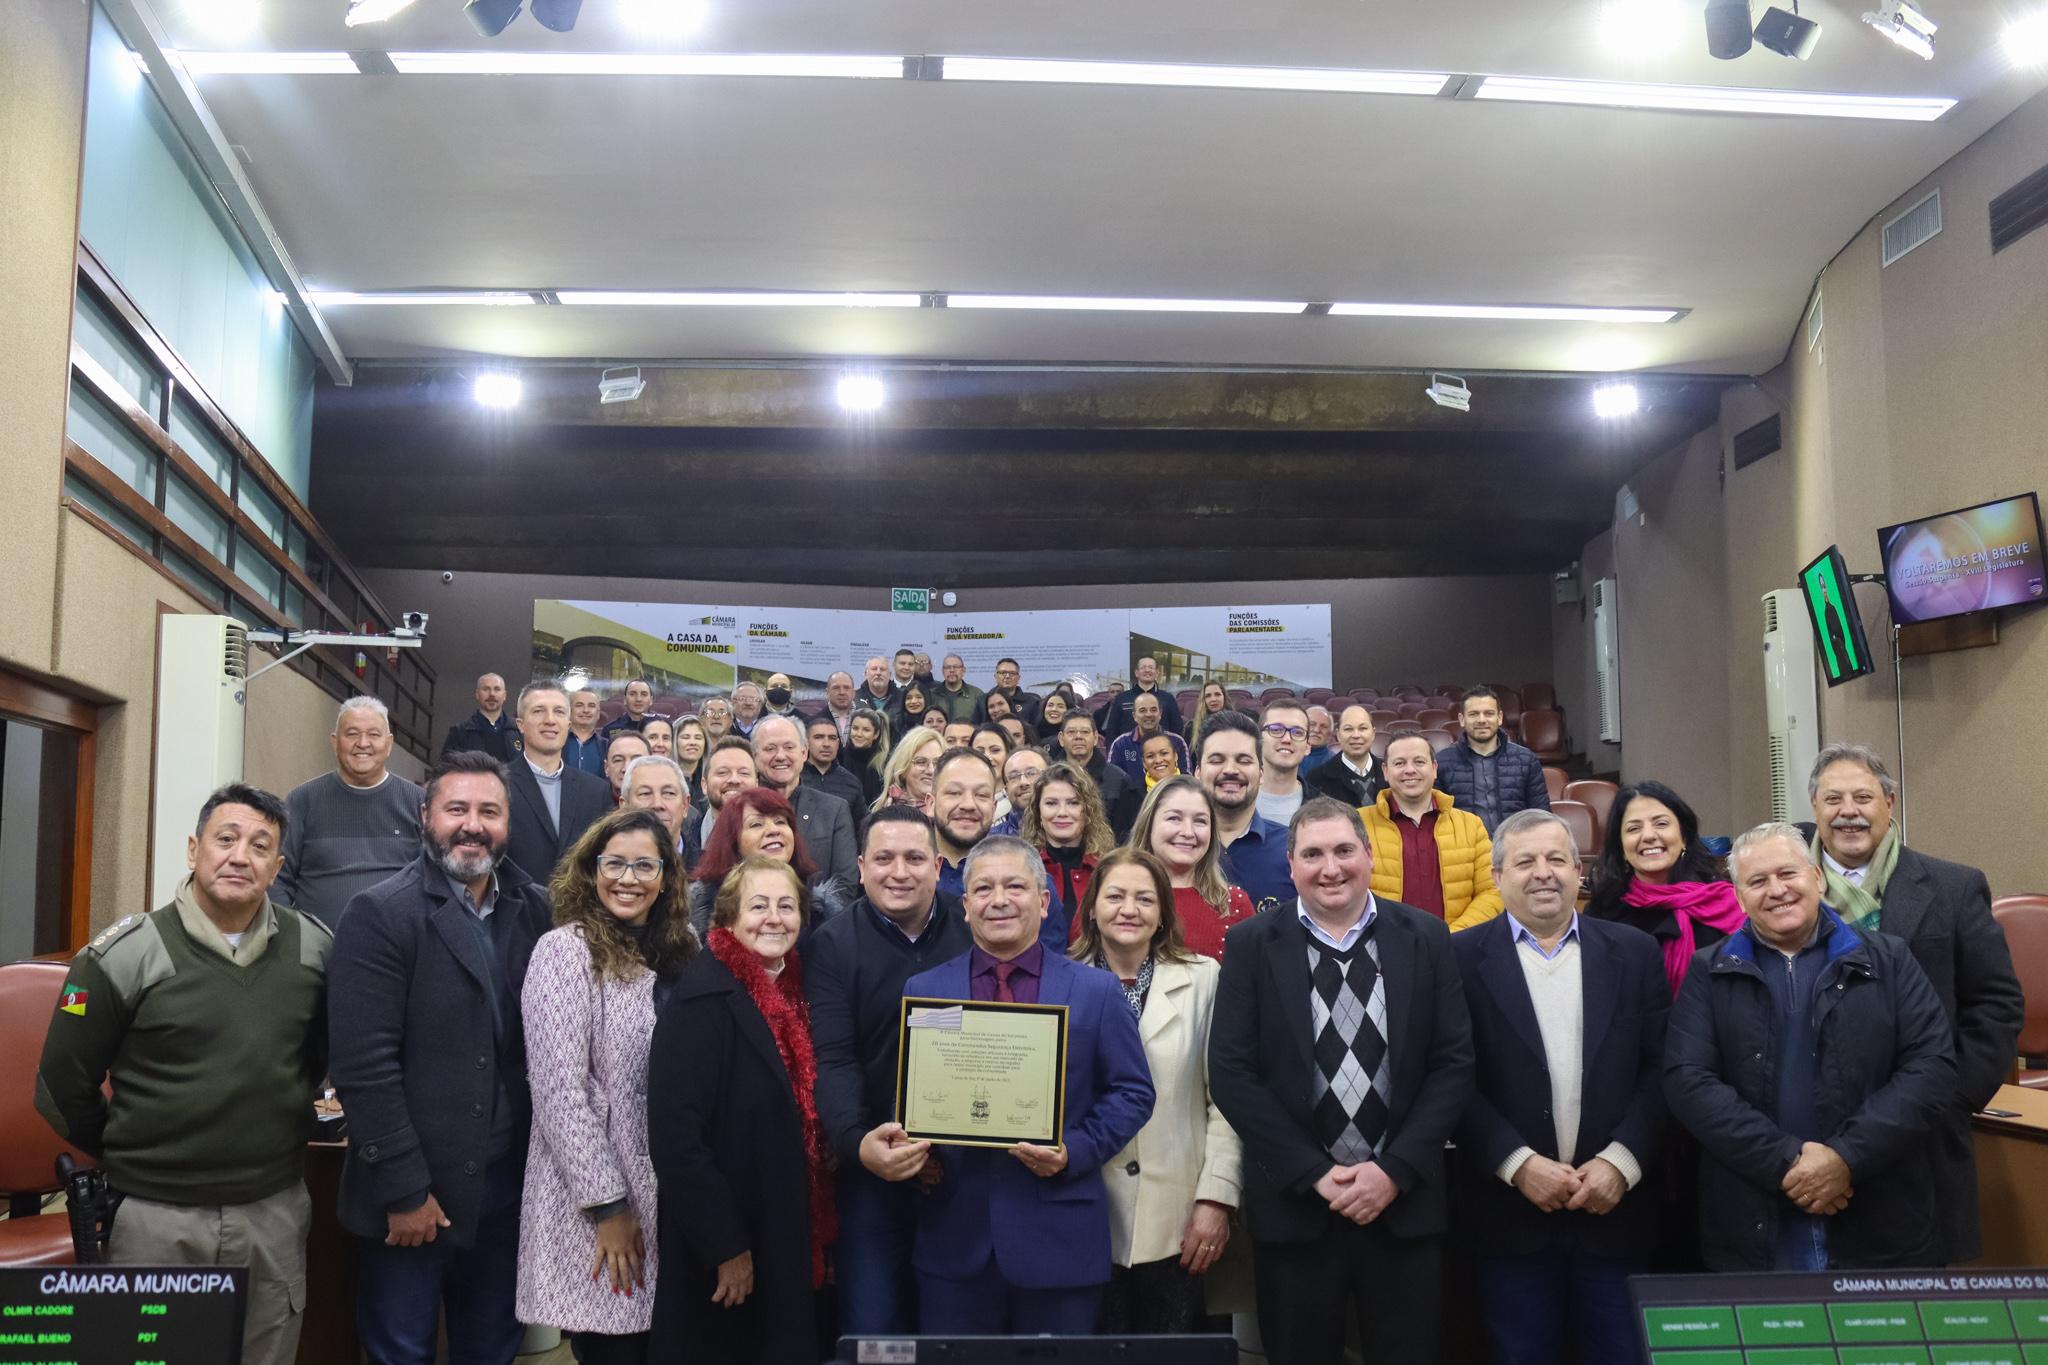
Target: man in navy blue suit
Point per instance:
(1568, 1017)
(1017, 1241)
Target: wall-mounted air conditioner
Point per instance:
(1607, 657)
(1791, 701)
(202, 690)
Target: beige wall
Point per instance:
(1924, 393)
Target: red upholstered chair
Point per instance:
(1382, 718)
(1543, 733)
(1364, 694)
(1598, 796)
(1401, 725)
(1439, 740)
(1554, 781)
(1578, 817)
(1409, 692)
(1319, 696)
(28, 1147)
(2025, 921)
(1237, 696)
(1276, 694)
(1411, 709)
(1433, 717)
(1451, 690)
(1442, 701)
(1379, 743)
(1539, 696)
(1511, 707)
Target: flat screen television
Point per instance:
(1972, 559)
(1839, 641)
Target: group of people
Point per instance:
(614, 1023)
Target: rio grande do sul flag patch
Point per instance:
(72, 1001)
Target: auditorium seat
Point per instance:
(1400, 725)
(1433, 717)
(1319, 696)
(1511, 707)
(1554, 779)
(1237, 696)
(1543, 733)
(1379, 743)
(1409, 692)
(1578, 818)
(1365, 695)
(1453, 691)
(1187, 699)
(2025, 921)
(1411, 710)
(1598, 796)
(29, 1148)
(1381, 717)
(1539, 696)
(1276, 694)
(1439, 740)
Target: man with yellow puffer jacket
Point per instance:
(1425, 851)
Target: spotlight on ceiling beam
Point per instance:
(496, 389)
(1786, 33)
(2026, 40)
(1616, 400)
(1728, 28)
(859, 393)
(1449, 391)
(372, 11)
(621, 384)
(1903, 23)
(559, 15)
(490, 17)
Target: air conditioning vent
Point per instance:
(2019, 210)
(1607, 658)
(235, 652)
(1753, 443)
(1916, 225)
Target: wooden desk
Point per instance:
(2012, 1178)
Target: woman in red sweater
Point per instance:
(1177, 825)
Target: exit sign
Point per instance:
(910, 599)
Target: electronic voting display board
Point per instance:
(1850, 1317)
(122, 1315)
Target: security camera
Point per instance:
(447, 575)
(412, 623)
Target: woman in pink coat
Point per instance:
(585, 1263)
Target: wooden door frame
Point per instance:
(39, 703)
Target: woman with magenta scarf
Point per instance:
(1655, 875)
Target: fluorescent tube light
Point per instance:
(415, 298)
(1712, 99)
(731, 298)
(1470, 312)
(1054, 302)
(263, 63)
(510, 63)
(1331, 79)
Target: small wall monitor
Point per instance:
(1971, 559)
(1843, 650)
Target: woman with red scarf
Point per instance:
(743, 1166)
(1655, 875)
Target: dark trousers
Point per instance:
(1152, 1299)
(401, 1291)
(877, 1223)
(599, 1348)
(986, 1304)
(1393, 1287)
(1558, 1306)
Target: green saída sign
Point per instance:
(910, 599)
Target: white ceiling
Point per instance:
(553, 182)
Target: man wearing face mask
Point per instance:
(428, 1053)
(780, 698)
(1943, 912)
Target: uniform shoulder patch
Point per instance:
(126, 924)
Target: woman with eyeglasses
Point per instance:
(596, 982)
(913, 767)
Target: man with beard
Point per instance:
(964, 811)
(1254, 848)
(728, 770)
(428, 1053)
(1021, 771)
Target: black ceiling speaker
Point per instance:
(489, 17)
(1788, 35)
(559, 15)
(1728, 28)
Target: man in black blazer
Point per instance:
(552, 803)
(1342, 1054)
(1943, 912)
(1568, 1020)
(854, 970)
(428, 1055)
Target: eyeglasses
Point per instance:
(1279, 731)
(643, 869)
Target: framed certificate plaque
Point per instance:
(974, 1073)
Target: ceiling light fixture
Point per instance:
(1465, 312)
(2026, 40)
(262, 63)
(622, 384)
(497, 389)
(1616, 400)
(1079, 304)
(860, 393)
(735, 298)
(664, 18)
(1903, 23)
(644, 64)
(373, 11)
(1786, 33)
(1328, 79)
(417, 298)
(1449, 391)
(1728, 28)
(1713, 99)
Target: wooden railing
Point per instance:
(286, 576)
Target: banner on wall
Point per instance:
(699, 649)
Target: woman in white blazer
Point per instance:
(1173, 1190)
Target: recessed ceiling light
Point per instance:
(664, 18)
(1061, 303)
(373, 11)
(417, 298)
(732, 298)
(1512, 312)
(2026, 40)
(1616, 400)
(1712, 99)
(497, 389)
(1332, 79)
(1645, 28)
(861, 393)
(263, 63)
(222, 18)
(509, 63)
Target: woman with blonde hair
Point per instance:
(593, 989)
(1177, 825)
(1065, 821)
(1173, 1190)
(913, 765)
(1213, 700)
